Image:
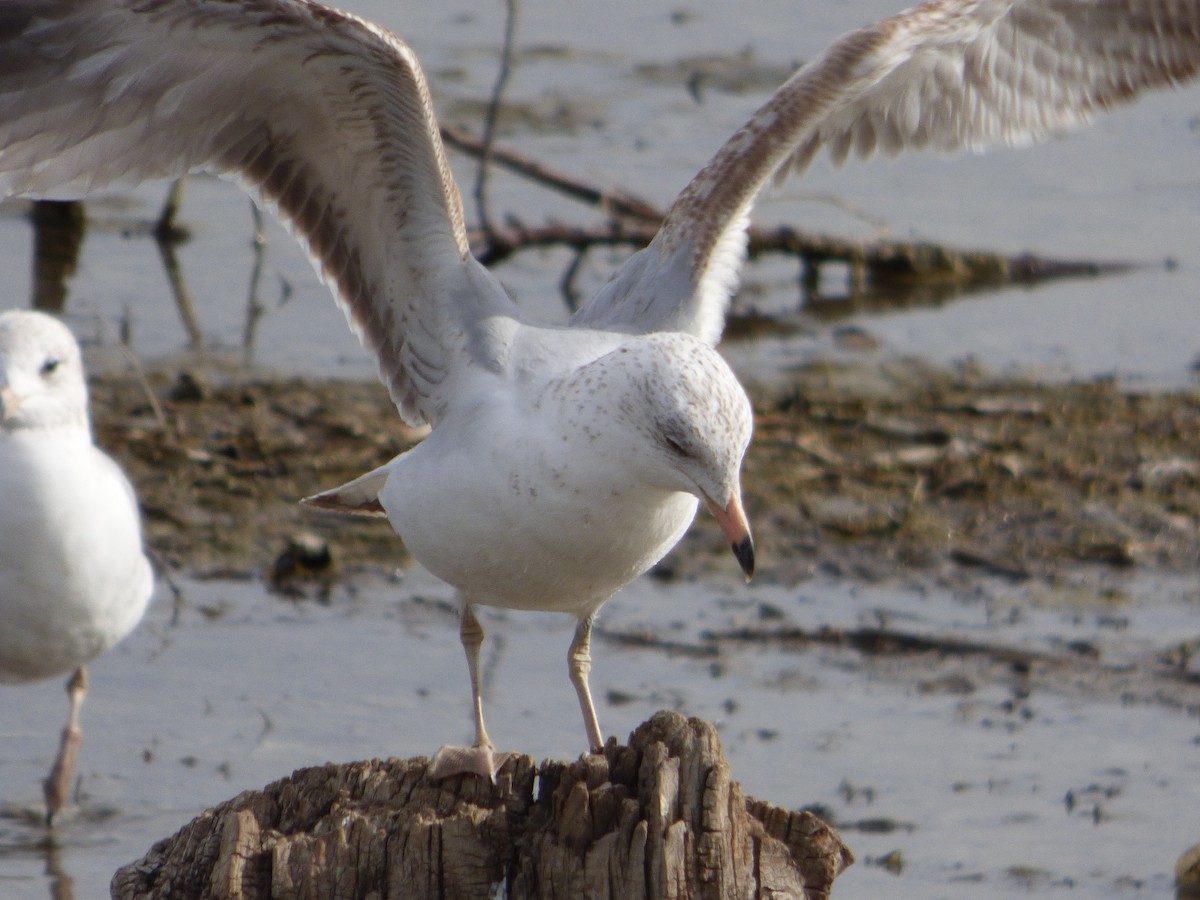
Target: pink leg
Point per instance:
(481, 757)
(579, 661)
(57, 786)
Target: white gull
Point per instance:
(563, 461)
(73, 577)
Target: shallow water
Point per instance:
(247, 687)
(1126, 188)
(967, 763)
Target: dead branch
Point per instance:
(615, 204)
(896, 268)
(493, 113)
(889, 271)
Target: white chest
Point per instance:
(73, 577)
(538, 529)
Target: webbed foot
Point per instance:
(481, 760)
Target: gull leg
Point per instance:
(579, 661)
(481, 757)
(471, 635)
(57, 785)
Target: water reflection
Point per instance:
(62, 885)
(166, 238)
(835, 279)
(29, 839)
(59, 229)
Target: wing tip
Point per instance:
(334, 501)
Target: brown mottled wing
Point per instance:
(325, 116)
(949, 74)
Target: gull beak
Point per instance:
(736, 529)
(9, 404)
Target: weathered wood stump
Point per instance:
(659, 818)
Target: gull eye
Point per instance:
(50, 366)
(675, 446)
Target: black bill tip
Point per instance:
(744, 551)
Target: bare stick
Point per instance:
(179, 288)
(254, 309)
(493, 113)
(138, 372)
(617, 204)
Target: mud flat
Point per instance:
(857, 472)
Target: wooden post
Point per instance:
(659, 818)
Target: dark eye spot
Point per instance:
(675, 446)
(50, 366)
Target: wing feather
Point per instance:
(948, 74)
(324, 116)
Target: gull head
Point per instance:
(41, 373)
(696, 419)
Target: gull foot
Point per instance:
(481, 760)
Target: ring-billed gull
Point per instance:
(73, 577)
(563, 461)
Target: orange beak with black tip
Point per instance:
(732, 519)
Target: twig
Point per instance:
(566, 284)
(493, 113)
(183, 297)
(504, 242)
(138, 372)
(615, 204)
(254, 309)
(178, 598)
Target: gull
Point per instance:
(73, 577)
(563, 461)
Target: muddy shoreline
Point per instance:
(860, 472)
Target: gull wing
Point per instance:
(948, 74)
(324, 116)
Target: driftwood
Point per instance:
(659, 818)
(892, 269)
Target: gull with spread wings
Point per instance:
(563, 462)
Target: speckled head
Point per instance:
(697, 419)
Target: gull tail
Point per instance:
(359, 497)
